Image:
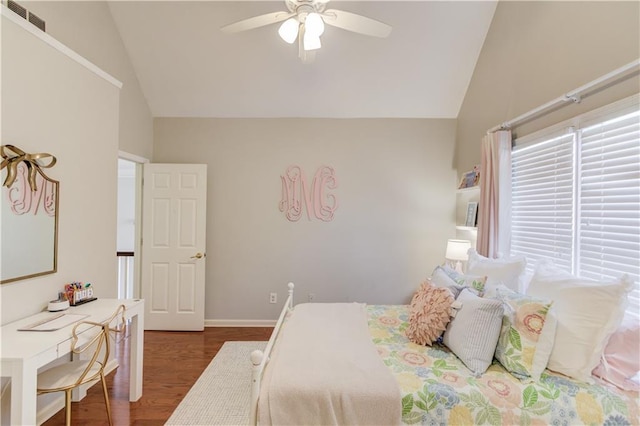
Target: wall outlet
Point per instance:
(273, 298)
(311, 296)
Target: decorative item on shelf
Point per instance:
(457, 253)
(472, 214)
(78, 293)
(470, 179)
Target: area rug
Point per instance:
(221, 394)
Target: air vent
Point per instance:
(12, 5)
(21, 11)
(35, 20)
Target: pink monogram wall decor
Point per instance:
(23, 199)
(315, 200)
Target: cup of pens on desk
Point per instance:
(58, 305)
(78, 293)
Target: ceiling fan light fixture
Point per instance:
(311, 41)
(314, 24)
(304, 22)
(289, 30)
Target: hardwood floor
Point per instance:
(173, 361)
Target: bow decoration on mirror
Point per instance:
(13, 156)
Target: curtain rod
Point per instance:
(572, 96)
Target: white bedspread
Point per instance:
(325, 370)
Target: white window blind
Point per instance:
(542, 200)
(576, 197)
(609, 201)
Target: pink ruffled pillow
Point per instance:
(621, 362)
(429, 313)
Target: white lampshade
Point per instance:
(314, 24)
(311, 41)
(457, 250)
(289, 30)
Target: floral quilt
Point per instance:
(438, 389)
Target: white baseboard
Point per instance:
(239, 323)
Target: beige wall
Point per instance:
(88, 28)
(396, 207)
(52, 104)
(537, 51)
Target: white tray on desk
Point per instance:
(54, 322)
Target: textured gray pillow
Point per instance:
(473, 334)
(439, 278)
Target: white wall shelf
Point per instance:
(16, 19)
(469, 189)
(463, 197)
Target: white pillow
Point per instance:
(503, 271)
(587, 313)
(473, 333)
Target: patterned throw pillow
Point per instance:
(527, 334)
(429, 313)
(475, 282)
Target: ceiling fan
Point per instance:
(305, 21)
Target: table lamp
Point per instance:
(457, 252)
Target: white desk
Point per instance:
(23, 352)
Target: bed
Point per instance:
(435, 387)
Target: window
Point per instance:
(576, 196)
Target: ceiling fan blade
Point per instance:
(257, 21)
(356, 23)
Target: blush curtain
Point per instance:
(494, 208)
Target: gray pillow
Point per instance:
(473, 333)
(440, 278)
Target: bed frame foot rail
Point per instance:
(260, 359)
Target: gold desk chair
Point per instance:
(66, 377)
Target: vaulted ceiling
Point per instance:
(187, 67)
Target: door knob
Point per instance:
(198, 256)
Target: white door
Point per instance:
(173, 246)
